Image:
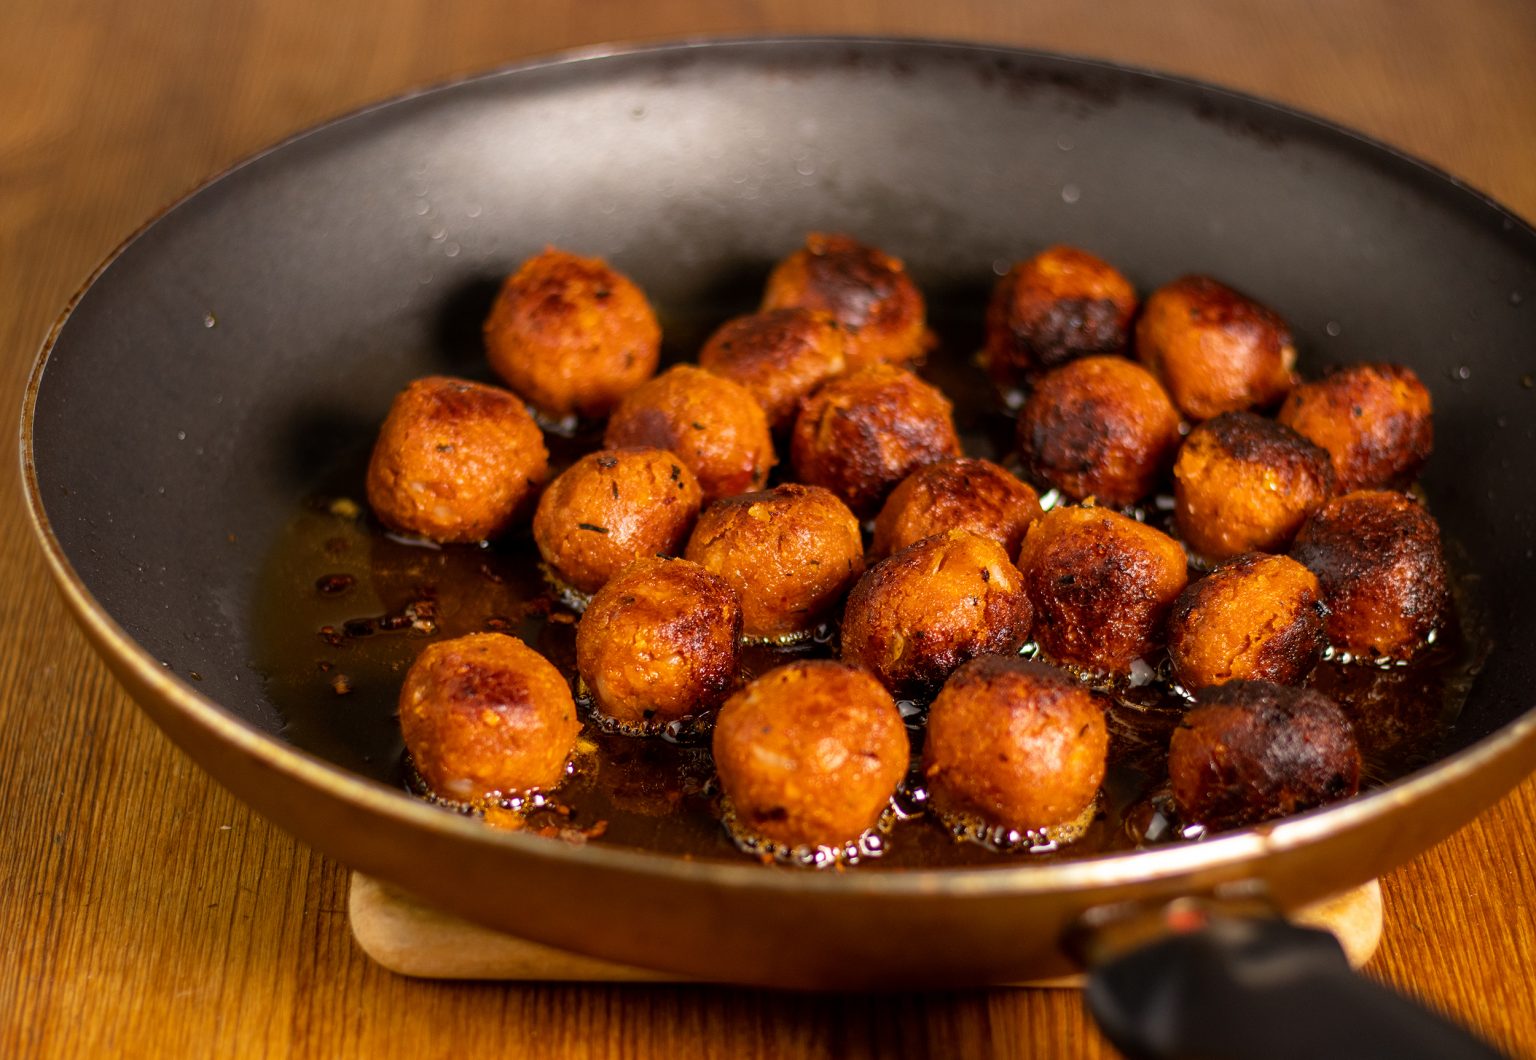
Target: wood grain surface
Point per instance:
(143, 912)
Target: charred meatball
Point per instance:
(661, 641)
(611, 508)
(865, 289)
(791, 553)
(1374, 420)
(862, 433)
(1014, 744)
(913, 618)
(1242, 483)
(716, 428)
(956, 494)
(810, 753)
(1377, 555)
(1255, 618)
(780, 355)
(1099, 427)
(1101, 584)
(455, 461)
(1252, 751)
(571, 335)
(1060, 304)
(1214, 349)
(486, 716)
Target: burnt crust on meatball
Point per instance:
(1251, 751)
(959, 493)
(780, 355)
(862, 433)
(1061, 304)
(1375, 420)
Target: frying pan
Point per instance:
(180, 410)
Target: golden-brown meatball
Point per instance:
(1255, 617)
(1214, 349)
(1101, 584)
(611, 508)
(1060, 304)
(485, 716)
(864, 288)
(661, 641)
(862, 433)
(716, 428)
(571, 334)
(913, 618)
(1374, 419)
(455, 461)
(1377, 555)
(780, 355)
(1252, 751)
(1014, 744)
(791, 553)
(1099, 427)
(1243, 483)
(810, 753)
(959, 493)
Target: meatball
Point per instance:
(780, 355)
(486, 716)
(1214, 349)
(455, 461)
(862, 433)
(791, 553)
(716, 428)
(661, 641)
(1099, 427)
(1251, 751)
(1255, 618)
(1377, 555)
(1014, 744)
(1242, 483)
(570, 334)
(865, 289)
(1060, 304)
(913, 618)
(810, 754)
(959, 493)
(611, 508)
(1374, 420)
(1101, 584)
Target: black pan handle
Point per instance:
(1260, 988)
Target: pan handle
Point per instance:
(1212, 985)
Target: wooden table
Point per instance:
(144, 912)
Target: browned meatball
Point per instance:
(1374, 419)
(790, 553)
(1014, 744)
(1099, 427)
(455, 461)
(956, 494)
(862, 433)
(1214, 349)
(810, 753)
(1243, 483)
(864, 288)
(486, 715)
(1377, 555)
(716, 428)
(661, 641)
(571, 334)
(1060, 304)
(1252, 751)
(1255, 617)
(611, 508)
(913, 618)
(780, 355)
(1101, 584)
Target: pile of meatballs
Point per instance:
(949, 592)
